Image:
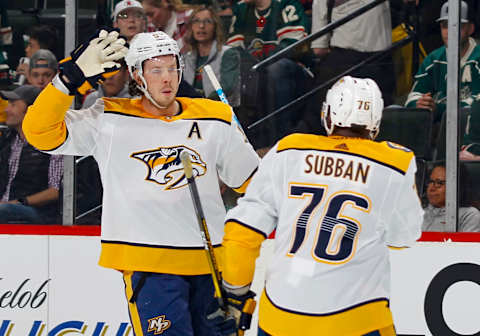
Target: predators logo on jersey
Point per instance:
(165, 168)
(158, 325)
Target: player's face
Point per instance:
(436, 187)
(158, 16)
(40, 77)
(161, 74)
(130, 22)
(15, 112)
(203, 27)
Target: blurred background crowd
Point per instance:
(232, 36)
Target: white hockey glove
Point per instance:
(92, 62)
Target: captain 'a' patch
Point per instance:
(194, 130)
(165, 168)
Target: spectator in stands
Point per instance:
(430, 88)
(169, 16)
(353, 42)
(129, 17)
(470, 150)
(434, 217)
(43, 67)
(205, 42)
(40, 37)
(114, 86)
(262, 28)
(29, 179)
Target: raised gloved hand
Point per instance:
(92, 62)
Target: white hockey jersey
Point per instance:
(336, 204)
(148, 219)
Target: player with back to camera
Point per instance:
(337, 203)
(149, 228)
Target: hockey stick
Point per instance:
(207, 243)
(249, 308)
(221, 94)
(216, 85)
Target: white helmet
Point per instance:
(145, 46)
(353, 101)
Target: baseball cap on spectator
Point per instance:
(463, 10)
(27, 93)
(45, 55)
(126, 4)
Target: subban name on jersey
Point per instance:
(336, 167)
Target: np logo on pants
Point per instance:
(158, 324)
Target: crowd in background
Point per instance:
(231, 37)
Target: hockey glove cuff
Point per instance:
(241, 305)
(92, 62)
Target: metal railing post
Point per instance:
(453, 106)
(69, 161)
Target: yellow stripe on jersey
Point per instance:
(386, 153)
(242, 247)
(387, 331)
(192, 108)
(395, 248)
(43, 124)
(356, 321)
(157, 259)
(132, 307)
(3, 114)
(243, 187)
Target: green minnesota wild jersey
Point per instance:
(432, 77)
(263, 32)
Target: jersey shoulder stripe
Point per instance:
(202, 108)
(191, 109)
(125, 106)
(385, 153)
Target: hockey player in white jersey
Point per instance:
(149, 227)
(337, 203)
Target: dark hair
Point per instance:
(465, 195)
(47, 36)
(133, 89)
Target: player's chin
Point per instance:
(166, 100)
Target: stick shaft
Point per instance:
(207, 242)
(216, 85)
